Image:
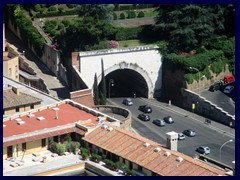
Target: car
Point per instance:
(145, 109)
(203, 150)
(228, 89)
(159, 122)
(128, 102)
(214, 87)
(189, 132)
(144, 117)
(181, 136)
(168, 119)
(229, 78)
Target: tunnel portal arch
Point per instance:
(127, 80)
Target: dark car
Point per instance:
(214, 87)
(128, 102)
(203, 150)
(159, 122)
(168, 119)
(189, 132)
(144, 117)
(145, 109)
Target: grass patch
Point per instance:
(129, 43)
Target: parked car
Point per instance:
(228, 79)
(189, 132)
(159, 122)
(228, 89)
(168, 119)
(203, 150)
(181, 136)
(144, 117)
(214, 87)
(145, 109)
(128, 102)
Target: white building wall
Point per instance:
(146, 59)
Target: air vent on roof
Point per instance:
(30, 115)
(167, 153)
(146, 144)
(40, 118)
(56, 109)
(104, 126)
(179, 159)
(21, 122)
(157, 149)
(109, 128)
(18, 119)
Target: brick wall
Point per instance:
(84, 97)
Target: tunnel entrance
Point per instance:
(126, 83)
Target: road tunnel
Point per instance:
(126, 83)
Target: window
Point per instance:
(43, 142)
(140, 168)
(24, 146)
(10, 72)
(17, 109)
(32, 106)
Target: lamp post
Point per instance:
(220, 150)
(198, 76)
(111, 81)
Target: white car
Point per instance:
(203, 150)
(228, 89)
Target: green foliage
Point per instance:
(130, 172)
(37, 7)
(57, 148)
(218, 66)
(110, 164)
(84, 150)
(56, 13)
(140, 14)
(163, 47)
(114, 16)
(122, 15)
(52, 8)
(71, 5)
(71, 146)
(85, 155)
(131, 14)
(128, 33)
(60, 9)
(96, 157)
(96, 91)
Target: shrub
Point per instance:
(84, 150)
(131, 14)
(130, 172)
(61, 26)
(113, 44)
(57, 148)
(128, 33)
(37, 8)
(141, 14)
(70, 6)
(122, 16)
(110, 164)
(60, 9)
(114, 16)
(96, 157)
(52, 8)
(218, 67)
(72, 146)
(85, 155)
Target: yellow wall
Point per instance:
(22, 109)
(9, 112)
(5, 153)
(11, 63)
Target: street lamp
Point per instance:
(111, 81)
(222, 147)
(198, 76)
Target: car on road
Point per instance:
(189, 132)
(145, 109)
(203, 150)
(144, 117)
(181, 136)
(128, 102)
(168, 119)
(214, 87)
(159, 122)
(228, 89)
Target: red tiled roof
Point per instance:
(130, 146)
(67, 114)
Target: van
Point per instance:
(228, 79)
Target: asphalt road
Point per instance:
(204, 134)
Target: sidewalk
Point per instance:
(214, 125)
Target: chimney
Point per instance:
(16, 90)
(172, 138)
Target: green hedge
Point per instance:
(133, 7)
(128, 33)
(56, 13)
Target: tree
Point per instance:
(97, 11)
(189, 26)
(96, 91)
(103, 90)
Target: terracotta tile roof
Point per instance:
(11, 99)
(66, 115)
(131, 147)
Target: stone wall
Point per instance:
(206, 108)
(84, 97)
